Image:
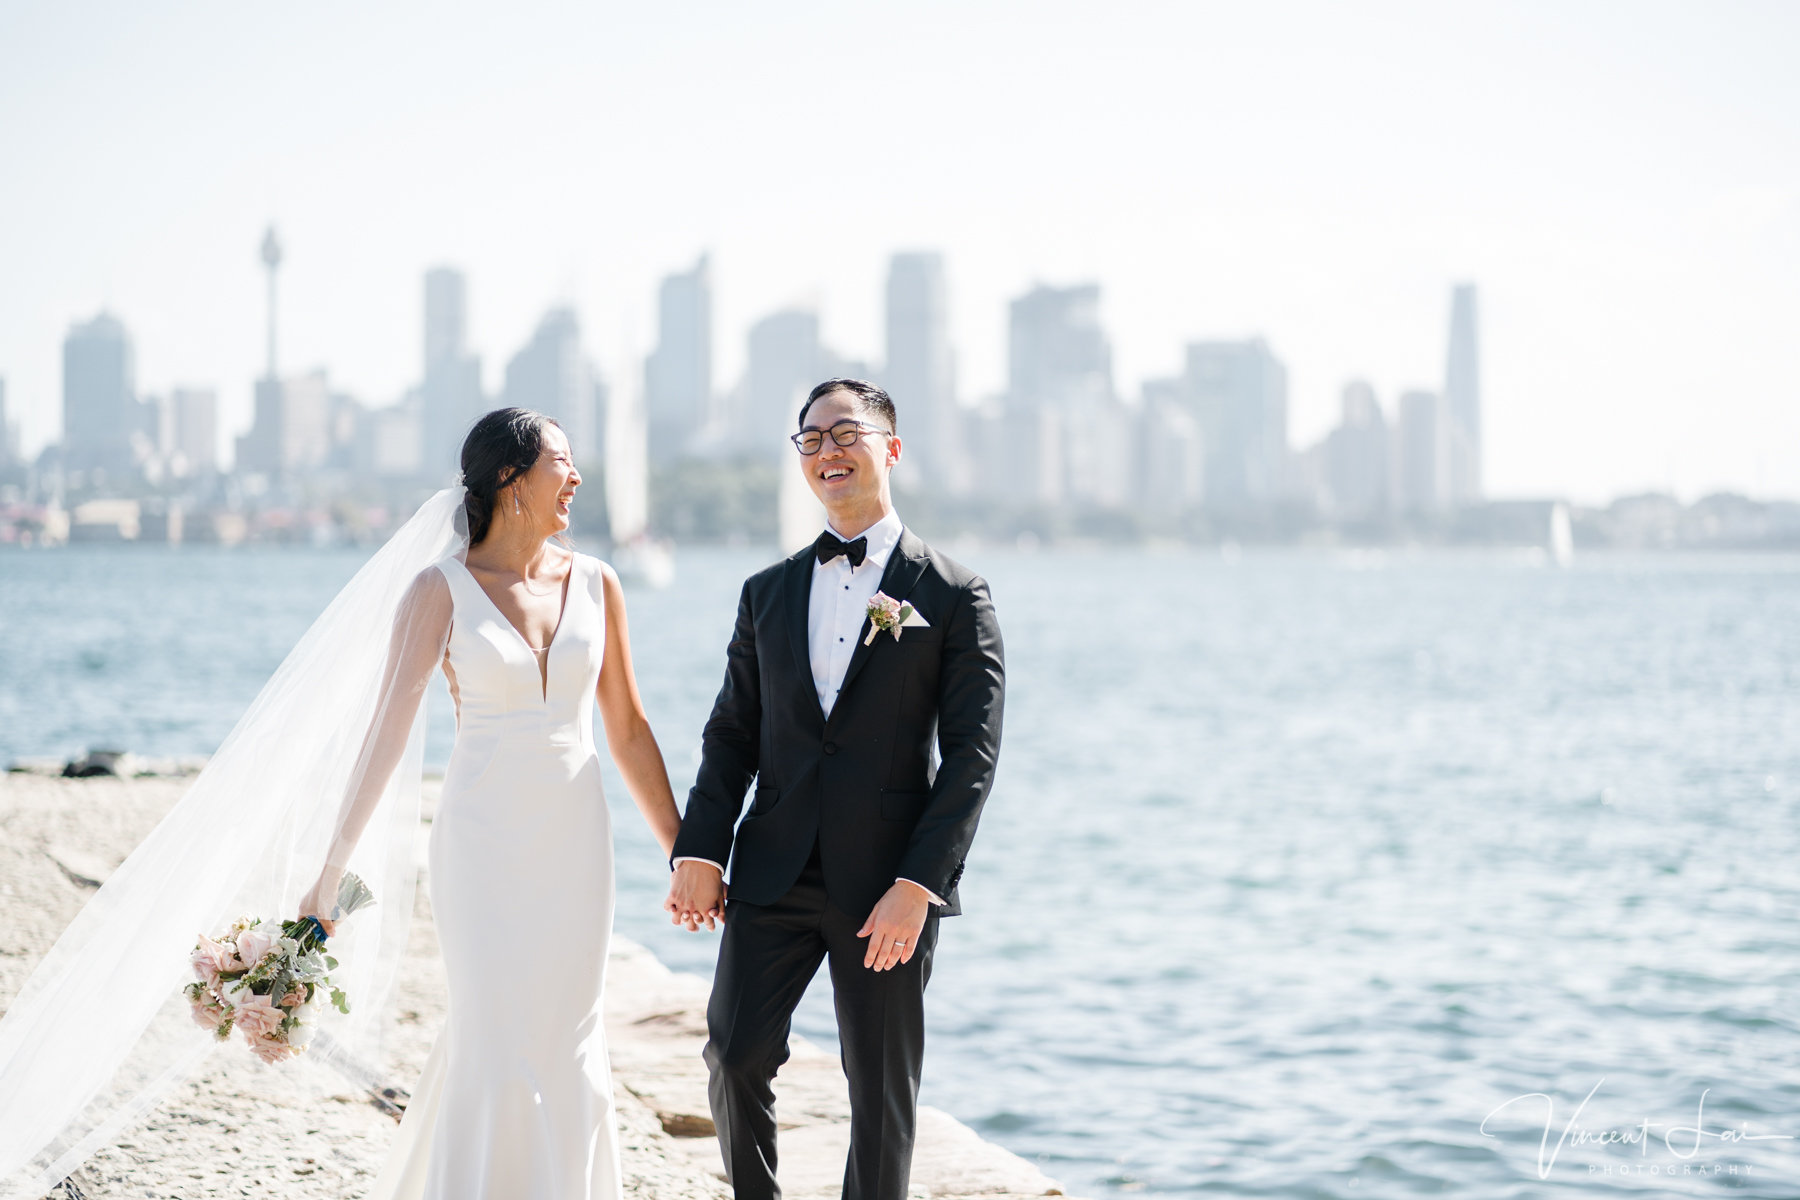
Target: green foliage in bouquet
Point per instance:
(269, 984)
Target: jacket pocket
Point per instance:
(766, 798)
(903, 806)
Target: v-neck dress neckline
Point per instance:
(561, 614)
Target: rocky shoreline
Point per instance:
(238, 1128)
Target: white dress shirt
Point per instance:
(835, 611)
(839, 605)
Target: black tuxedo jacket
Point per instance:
(864, 781)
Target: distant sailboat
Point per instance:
(1562, 537)
(636, 556)
(801, 517)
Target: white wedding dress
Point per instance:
(515, 1100)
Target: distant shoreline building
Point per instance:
(1239, 392)
(450, 393)
(551, 374)
(1070, 437)
(1462, 398)
(103, 421)
(920, 371)
(678, 374)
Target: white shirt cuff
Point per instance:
(935, 898)
(690, 858)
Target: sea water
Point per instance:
(1304, 874)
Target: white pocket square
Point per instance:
(914, 620)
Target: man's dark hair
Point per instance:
(870, 400)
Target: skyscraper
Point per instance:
(1239, 393)
(678, 373)
(1171, 460)
(1071, 435)
(1421, 459)
(920, 371)
(451, 390)
(100, 406)
(8, 451)
(190, 431)
(1462, 397)
(552, 375)
(784, 364)
(1356, 457)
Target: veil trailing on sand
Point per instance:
(322, 772)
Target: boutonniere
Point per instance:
(888, 615)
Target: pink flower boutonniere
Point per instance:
(888, 615)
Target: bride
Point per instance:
(515, 1099)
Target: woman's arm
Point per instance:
(634, 747)
(421, 629)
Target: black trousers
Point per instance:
(767, 956)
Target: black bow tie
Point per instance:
(828, 547)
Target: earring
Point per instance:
(515, 504)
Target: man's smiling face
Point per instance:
(848, 478)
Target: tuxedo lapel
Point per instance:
(904, 566)
(796, 587)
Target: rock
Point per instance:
(82, 868)
(301, 1130)
(102, 762)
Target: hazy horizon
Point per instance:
(1619, 180)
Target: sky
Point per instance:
(1621, 180)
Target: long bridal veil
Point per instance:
(333, 742)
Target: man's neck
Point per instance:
(852, 523)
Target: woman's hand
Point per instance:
(696, 895)
(322, 899)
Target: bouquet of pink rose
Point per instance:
(269, 984)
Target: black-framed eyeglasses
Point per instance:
(844, 433)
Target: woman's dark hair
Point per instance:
(502, 446)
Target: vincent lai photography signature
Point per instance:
(1683, 1141)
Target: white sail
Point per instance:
(636, 556)
(1562, 536)
(802, 516)
(627, 463)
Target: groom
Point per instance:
(872, 755)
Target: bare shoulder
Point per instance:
(429, 584)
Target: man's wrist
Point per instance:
(929, 895)
(676, 862)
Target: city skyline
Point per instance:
(1630, 215)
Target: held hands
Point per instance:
(893, 928)
(696, 895)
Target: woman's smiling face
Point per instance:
(548, 488)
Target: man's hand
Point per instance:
(696, 895)
(893, 928)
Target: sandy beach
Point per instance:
(239, 1128)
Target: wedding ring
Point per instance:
(898, 942)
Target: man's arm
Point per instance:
(729, 747)
(971, 695)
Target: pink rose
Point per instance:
(293, 999)
(253, 945)
(255, 1015)
(210, 958)
(271, 1051)
(208, 1013)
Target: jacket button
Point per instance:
(831, 747)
